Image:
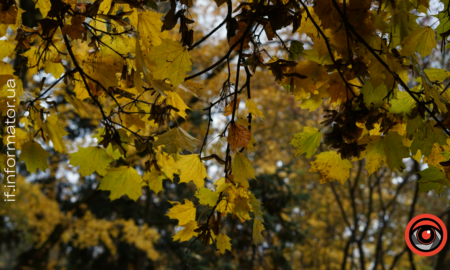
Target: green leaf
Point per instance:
(90, 160)
(403, 104)
(207, 196)
(374, 96)
(395, 151)
(296, 50)
(307, 142)
(426, 136)
(172, 61)
(177, 139)
(34, 156)
(122, 181)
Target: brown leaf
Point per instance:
(240, 31)
(238, 136)
(229, 109)
(8, 14)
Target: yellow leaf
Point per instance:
(422, 40)
(6, 48)
(34, 156)
(55, 131)
(166, 163)
(105, 5)
(207, 196)
(253, 109)
(192, 169)
(185, 213)
(256, 206)
(221, 185)
(6, 69)
(242, 208)
(175, 140)
(376, 156)
(187, 233)
(172, 61)
(223, 243)
(307, 142)
(229, 108)
(331, 167)
(44, 6)
(122, 181)
(258, 227)
(437, 74)
(149, 27)
(404, 103)
(174, 100)
(242, 169)
(90, 160)
(154, 178)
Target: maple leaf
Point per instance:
(207, 196)
(34, 156)
(403, 104)
(238, 136)
(55, 131)
(122, 181)
(242, 208)
(229, 108)
(185, 213)
(54, 68)
(221, 185)
(187, 233)
(191, 168)
(307, 142)
(6, 48)
(426, 136)
(166, 163)
(422, 40)
(373, 95)
(395, 151)
(242, 169)
(172, 61)
(44, 6)
(90, 160)
(154, 178)
(8, 13)
(177, 139)
(242, 26)
(253, 109)
(376, 155)
(76, 30)
(331, 167)
(223, 243)
(149, 27)
(258, 227)
(174, 100)
(433, 178)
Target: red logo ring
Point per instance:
(412, 231)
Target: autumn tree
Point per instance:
(139, 101)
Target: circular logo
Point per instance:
(426, 235)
